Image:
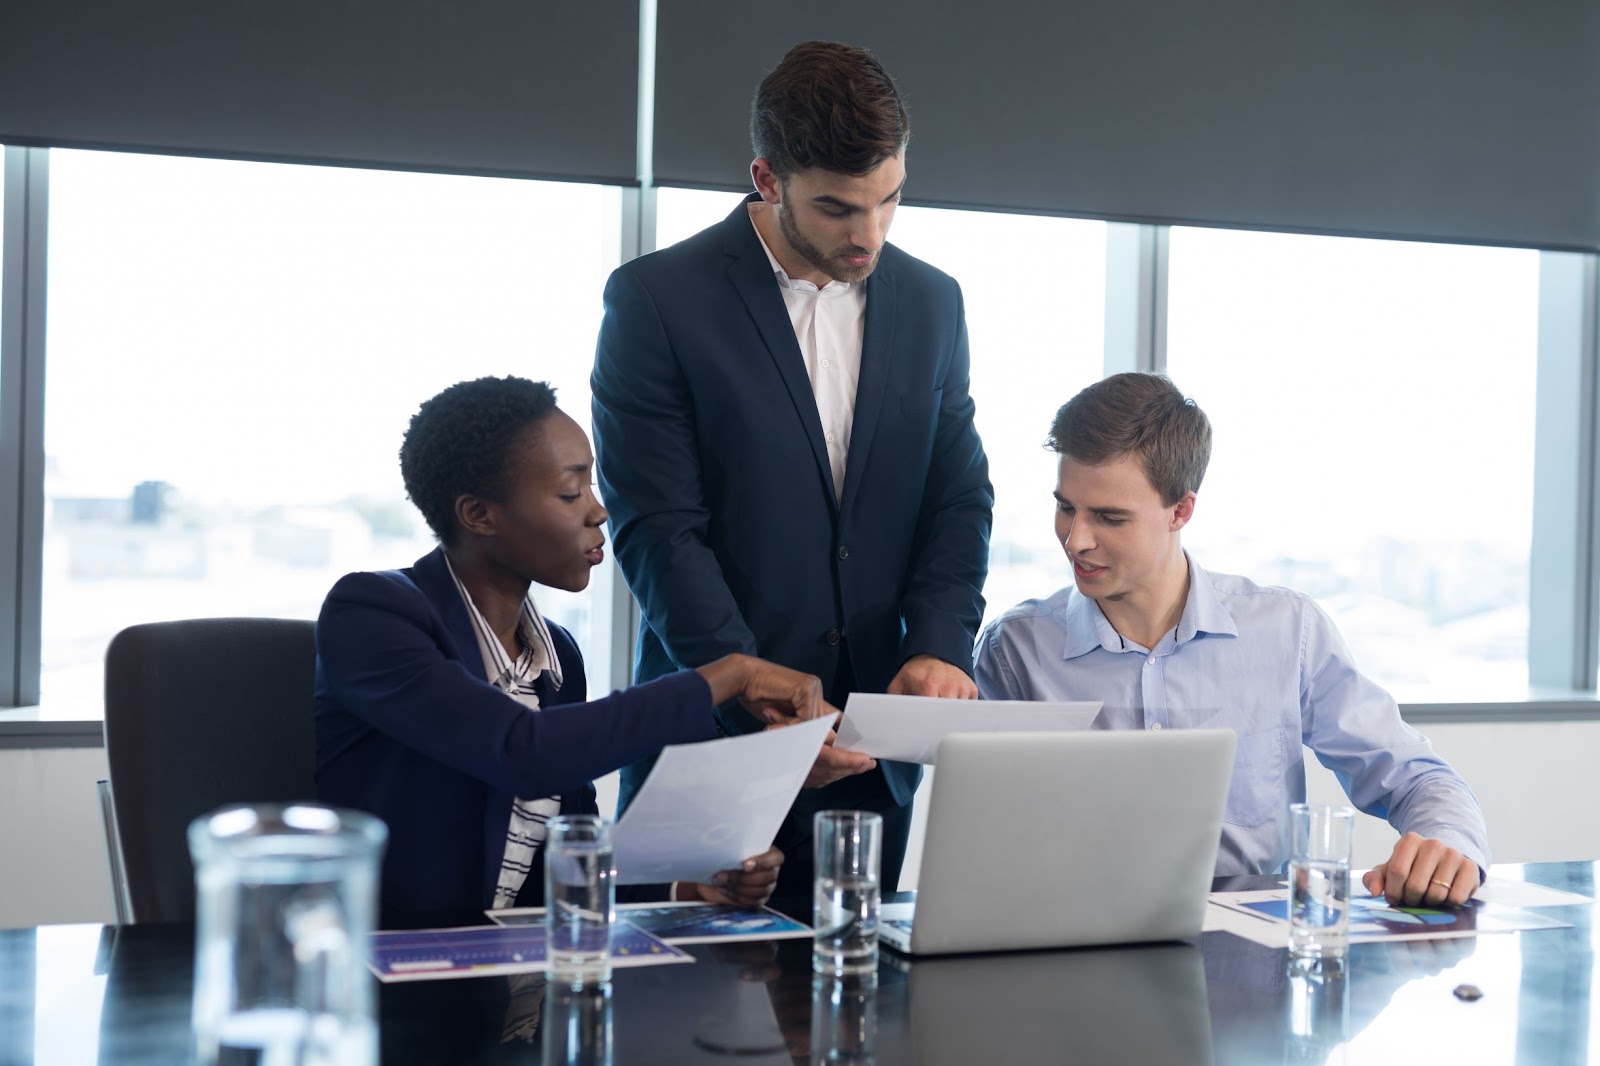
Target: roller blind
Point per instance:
(1453, 120)
(532, 88)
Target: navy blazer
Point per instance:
(712, 463)
(408, 729)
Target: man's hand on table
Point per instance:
(1424, 872)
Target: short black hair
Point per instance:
(459, 443)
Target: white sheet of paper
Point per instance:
(709, 806)
(909, 728)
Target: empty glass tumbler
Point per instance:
(285, 898)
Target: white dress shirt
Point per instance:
(827, 323)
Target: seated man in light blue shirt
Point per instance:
(1166, 645)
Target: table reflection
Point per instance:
(844, 1020)
(1143, 1004)
(1319, 1015)
(577, 1025)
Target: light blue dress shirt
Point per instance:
(1264, 662)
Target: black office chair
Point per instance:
(200, 713)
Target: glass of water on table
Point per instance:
(845, 911)
(1319, 885)
(579, 899)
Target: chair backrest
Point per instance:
(202, 713)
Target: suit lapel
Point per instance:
(432, 576)
(877, 354)
(751, 274)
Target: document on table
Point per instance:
(483, 950)
(685, 922)
(709, 806)
(909, 728)
(1372, 918)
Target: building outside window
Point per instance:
(1373, 405)
(234, 351)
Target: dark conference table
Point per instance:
(86, 994)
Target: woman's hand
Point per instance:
(750, 885)
(774, 694)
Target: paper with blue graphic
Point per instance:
(1373, 918)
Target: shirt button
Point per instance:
(1156, 727)
(830, 438)
(1151, 660)
(832, 636)
(844, 552)
(826, 364)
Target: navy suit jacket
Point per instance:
(408, 729)
(712, 463)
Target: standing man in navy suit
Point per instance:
(785, 440)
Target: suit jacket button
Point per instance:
(831, 636)
(844, 553)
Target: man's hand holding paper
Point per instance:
(836, 764)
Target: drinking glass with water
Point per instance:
(1319, 881)
(284, 904)
(579, 899)
(845, 908)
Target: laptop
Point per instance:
(1049, 840)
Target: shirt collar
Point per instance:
(1203, 614)
(538, 649)
(834, 287)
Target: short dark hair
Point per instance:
(459, 443)
(831, 106)
(1137, 414)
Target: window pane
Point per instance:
(1035, 291)
(1373, 405)
(234, 352)
(682, 213)
(1035, 303)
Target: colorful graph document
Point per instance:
(688, 922)
(909, 728)
(709, 806)
(1372, 918)
(482, 950)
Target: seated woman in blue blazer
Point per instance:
(450, 708)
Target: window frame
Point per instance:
(1564, 631)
